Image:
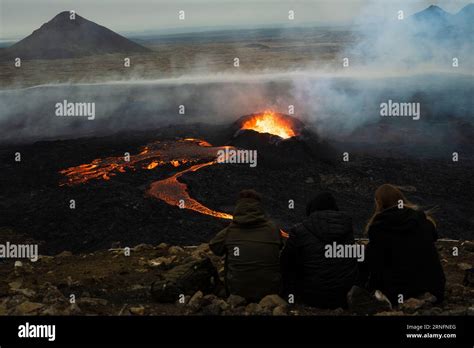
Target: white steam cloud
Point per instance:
(407, 61)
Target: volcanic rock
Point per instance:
(4, 289)
(91, 301)
(280, 311)
(73, 309)
(3, 309)
(270, 302)
(412, 305)
(423, 303)
(468, 245)
(196, 300)
(141, 247)
(25, 292)
(464, 266)
(255, 309)
(163, 246)
(15, 284)
(360, 301)
(221, 303)
(236, 301)
(51, 294)
(208, 299)
(140, 310)
(175, 250)
(215, 307)
(469, 277)
(382, 298)
(161, 261)
(427, 297)
(110, 284)
(28, 308)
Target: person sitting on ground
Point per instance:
(310, 276)
(402, 257)
(251, 245)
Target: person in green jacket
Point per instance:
(251, 245)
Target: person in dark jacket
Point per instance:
(308, 274)
(251, 245)
(402, 258)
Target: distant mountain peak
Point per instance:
(469, 8)
(435, 8)
(62, 21)
(65, 17)
(432, 10)
(435, 21)
(63, 37)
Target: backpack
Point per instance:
(185, 279)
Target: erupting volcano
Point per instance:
(269, 133)
(271, 123)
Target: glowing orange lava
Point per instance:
(155, 154)
(152, 165)
(198, 141)
(176, 193)
(270, 122)
(150, 157)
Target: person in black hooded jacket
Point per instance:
(307, 274)
(401, 254)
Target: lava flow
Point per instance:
(172, 192)
(156, 154)
(171, 154)
(153, 155)
(272, 123)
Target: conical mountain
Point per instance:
(63, 37)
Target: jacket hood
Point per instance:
(399, 220)
(248, 211)
(329, 225)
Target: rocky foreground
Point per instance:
(111, 283)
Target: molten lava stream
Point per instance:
(171, 191)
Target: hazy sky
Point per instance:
(18, 18)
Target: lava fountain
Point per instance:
(272, 123)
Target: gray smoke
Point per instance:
(335, 103)
(405, 61)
